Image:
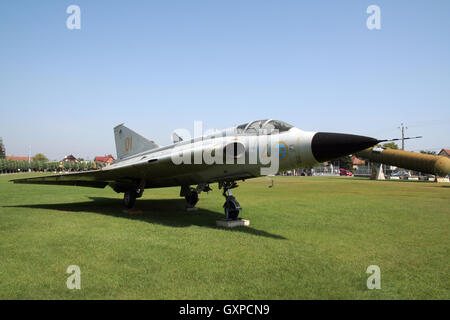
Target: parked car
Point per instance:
(344, 172)
(401, 174)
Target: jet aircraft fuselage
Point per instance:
(250, 150)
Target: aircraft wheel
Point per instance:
(192, 198)
(232, 214)
(129, 199)
(232, 208)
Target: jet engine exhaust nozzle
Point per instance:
(328, 146)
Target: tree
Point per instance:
(345, 162)
(34, 165)
(2, 149)
(52, 166)
(428, 152)
(67, 166)
(40, 157)
(391, 145)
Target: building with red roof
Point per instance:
(106, 159)
(357, 162)
(16, 158)
(445, 153)
(70, 158)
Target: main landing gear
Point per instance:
(231, 205)
(191, 198)
(129, 198)
(191, 194)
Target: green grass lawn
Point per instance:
(310, 238)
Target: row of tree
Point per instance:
(12, 166)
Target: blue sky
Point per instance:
(160, 65)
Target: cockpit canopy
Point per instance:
(267, 126)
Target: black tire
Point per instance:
(129, 199)
(232, 207)
(192, 198)
(232, 214)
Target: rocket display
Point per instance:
(426, 163)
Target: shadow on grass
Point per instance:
(168, 212)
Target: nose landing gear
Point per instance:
(231, 205)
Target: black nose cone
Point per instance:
(328, 146)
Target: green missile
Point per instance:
(425, 163)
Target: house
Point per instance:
(70, 158)
(16, 158)
(356, 162)
(445, 153)
(105, 160)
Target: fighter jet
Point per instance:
(194, 164)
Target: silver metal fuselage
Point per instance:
(157, 169)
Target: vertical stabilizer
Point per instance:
(129, 143)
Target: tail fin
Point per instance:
(129, 143)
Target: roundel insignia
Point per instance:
(282, 150)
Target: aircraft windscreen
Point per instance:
(278, 125)
(260, 126)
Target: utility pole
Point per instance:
(403, 135)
